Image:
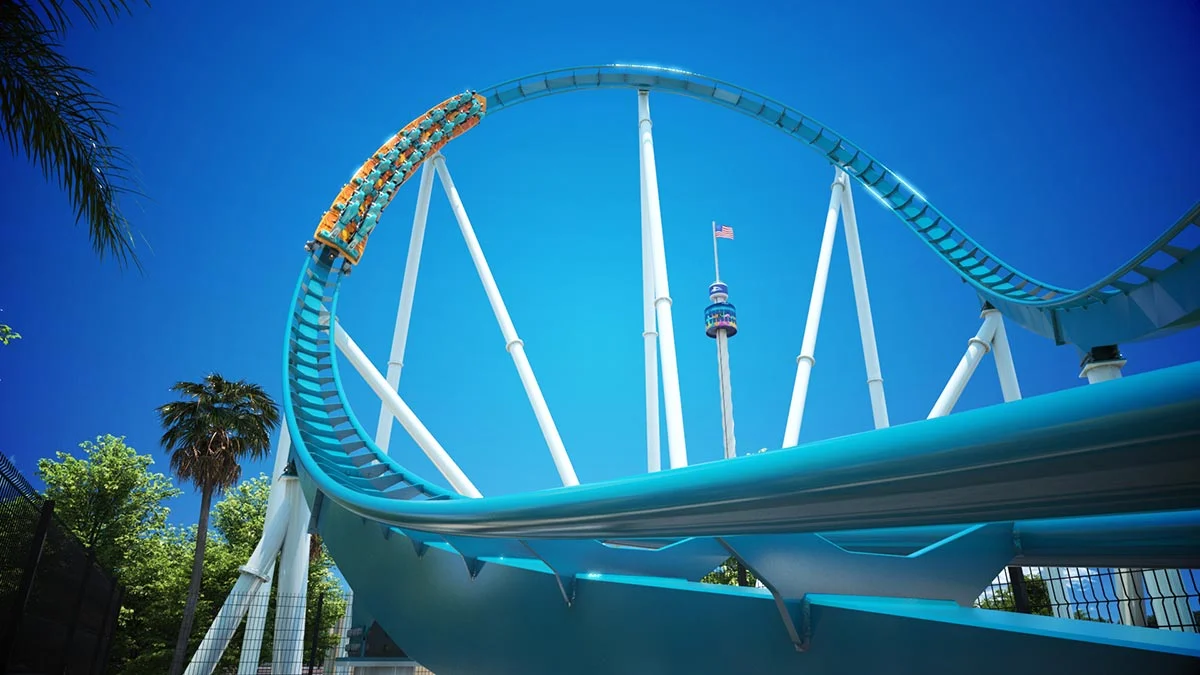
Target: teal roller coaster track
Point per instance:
(602, 578)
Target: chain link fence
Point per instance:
(58, 608)
(1156, 598)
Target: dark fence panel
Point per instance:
(57, 606)
(1154, 598)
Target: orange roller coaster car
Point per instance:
(357, 209)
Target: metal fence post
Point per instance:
(69, 642)
(112, 629)
(107, 629)
(1016, 578)
(26, 587)
(316, 635)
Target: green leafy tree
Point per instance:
(1035, 588)
(730, 573)
(1039, 600)
(51, 114)
(112, 499)
(109, 498)
(208, 434)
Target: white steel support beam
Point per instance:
(383, 434)
(672, 401)
(256, 617)
(396, 405)
(804, 362)
(977, 347)
(250, 579)
(1005, 367)
(1128, 584)
(513, 343)
(649, 335)
(862, 302)
(291, 597)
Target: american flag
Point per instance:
(723, 232)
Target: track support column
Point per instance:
(672, 401)
(1102, 364)
(383, 434)
(407, 418)
(808, 347)
(1006, 368)
(649, 334)
(862, 302)
(512, 343)
(292, 598)
(256, 617)
(977, 347)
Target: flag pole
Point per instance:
(716, 262)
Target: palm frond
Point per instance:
(50, 112)
(55, 12)
(217, 425)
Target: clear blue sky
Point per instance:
(1061, 135)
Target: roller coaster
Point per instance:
(871, 548)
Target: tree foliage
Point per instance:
(1038, 593)
(152, 559)
(110, 498)
(53, 115)
(730, 573)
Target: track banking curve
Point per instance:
(1125, 447)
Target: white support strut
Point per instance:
(862, 302)
(251, 577)
(1005, 367)
(672, 400)
(977, 347)
(512, 343)
(649, 335)
(404, 415)
(805, 361)
(291, 593)
(256, 614)
(383, 434)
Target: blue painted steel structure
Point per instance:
(602, 577)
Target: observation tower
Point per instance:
(720, 323)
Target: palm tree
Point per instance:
(50, 113)
(217, 425)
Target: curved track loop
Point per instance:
(431, 565)
(1137, 301)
